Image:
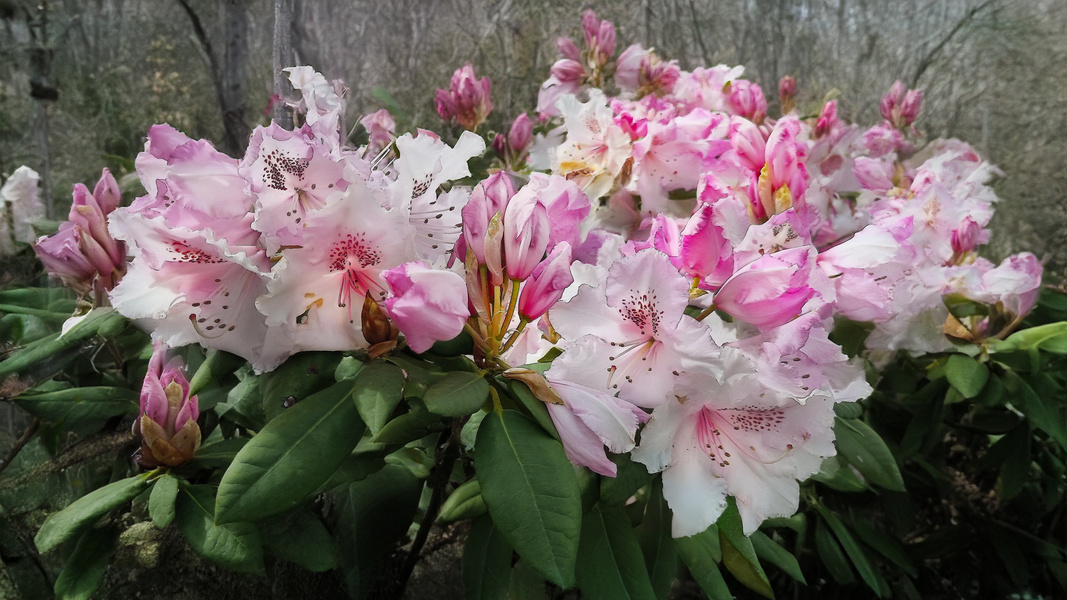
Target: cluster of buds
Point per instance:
(82, 254)
(466, 101)
(515, 147)
(641, 72)
(900, 106)
(506, 235)
(167, 426)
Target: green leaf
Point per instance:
(296, 379)
(966, 374)
(833, 558)
(868, 572)
(528, 485)
(218, 454)
(702, 553)
(83, 512)
(372, 515)
(84, 570)
(1044, 413)
(217, 365)
(235, 546)
(379, 387)
(457, 395)
(630, 476)
(486, 561)
(835, 473)
(71, 406)
(291, 457)
(465, 502)
(526, 583)
(657, 545)
(161, 501)
(610, 564)
(300, 538)
(1050, 338)
(521, 392)
(864, 449)
(738, 555)
(104, 322)
(885, 544)
(848, 410)
(769, 550)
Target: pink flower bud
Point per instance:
(521, 135)
(568, 49)
(748, 101)
(827, 119)
(544, 287)
(911, 106)
(467, 99)
(967, 237)
(704, 251)
(63, 258)
(381, 127)
(749, 143)
(526, 231)
(500, 146)
(599, 39)
(567, 71)
(787, 88)
(167, 426)
(429, 305)
(488, 198)
(892, 100)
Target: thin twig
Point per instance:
(22, 441)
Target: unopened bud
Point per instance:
(787, 89)
(377, 327)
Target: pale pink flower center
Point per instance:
(356, 256)
(716, 430)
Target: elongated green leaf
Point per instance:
(235, 546)
(738, 555)
(630, 476)
(84, 570)
(885, 544)
(864, 449)
(300, 538)
(486, 562)
(1044, 413)
(867, 571)
(83, 512)
(528, 485)
(657, 545)
(47, 315)
(702, 553)
(770, 551)
(379, 387)
(372, 516)
(1050, 338)
(104, 322)
(465, 502)
(966, 374)
(161, 501)
(457, 395)
(833, 558)
(291, 457)
(610, 564)
(73, 405)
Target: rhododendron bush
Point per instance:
(649, 326)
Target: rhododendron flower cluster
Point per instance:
(676, 253)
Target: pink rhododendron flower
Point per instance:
(770, 290)
(591, 417)
(428, 305)
(644, 336)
